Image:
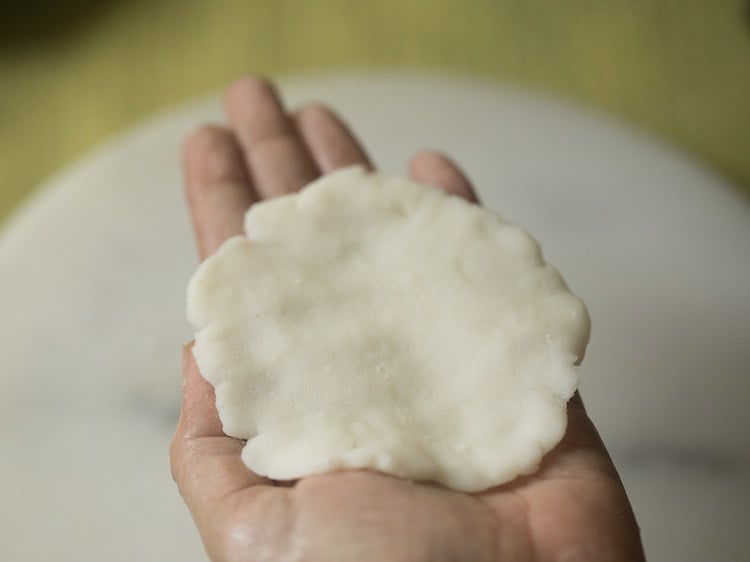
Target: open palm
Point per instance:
(573, 508)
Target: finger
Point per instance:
(438, 170)
(198, 417)
(217, 185)
(206, 464)
(329, 140)
(276, 156)
(581, 451)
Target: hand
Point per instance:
(573, 508)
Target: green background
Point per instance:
(74, 72)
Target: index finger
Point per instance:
(218, 187)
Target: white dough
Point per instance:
(373, 322)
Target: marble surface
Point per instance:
(92, 285)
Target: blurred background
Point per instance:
(74, 72)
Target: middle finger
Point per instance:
(276, 157)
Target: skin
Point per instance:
(574, 508)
